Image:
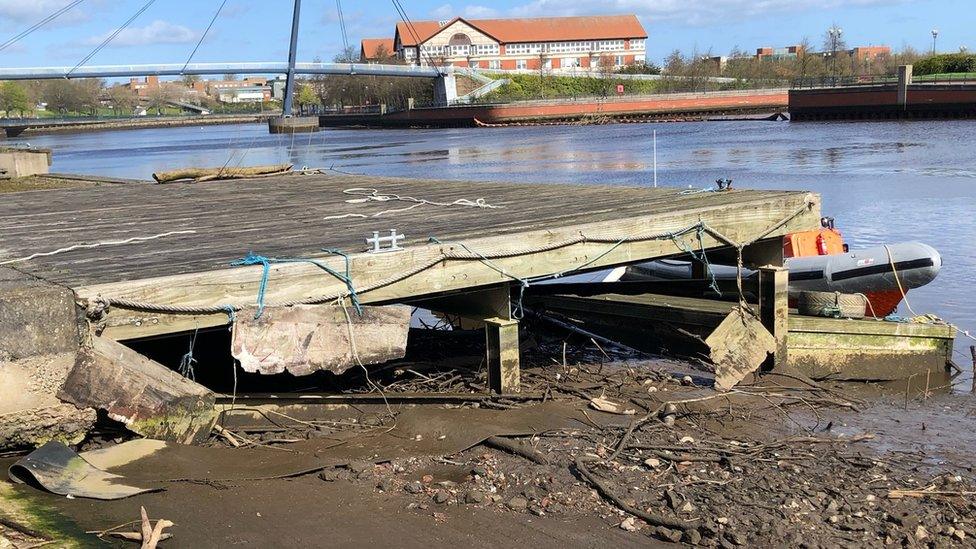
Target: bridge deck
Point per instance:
(294, 216)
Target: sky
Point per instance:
(249, 30)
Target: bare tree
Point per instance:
(159, 98)
(347, 55)
(123, 100)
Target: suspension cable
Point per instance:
(39, 24)
(110, 37)
(342, 26)
(413, 31)
(195, 48)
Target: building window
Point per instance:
(637, 44)
(495, 64)
(619, 61)
(521, 64)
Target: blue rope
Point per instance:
(700, 257)
(353, 296)
(266, 262)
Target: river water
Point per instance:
(882, 181)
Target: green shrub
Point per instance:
(946, 63)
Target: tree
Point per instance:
(159, 98)
(230, 76)
(347, 55)
(122, 99)
(383, 55)
(306, 97)
(190, 79)
(13, 97)
(62, 96)
(607, 66)
(90, 93)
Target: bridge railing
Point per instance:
(175, 69)
(878, 80)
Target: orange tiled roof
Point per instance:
(370, 47)
(540, 29)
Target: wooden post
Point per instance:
(774, 309)
(503, 355)
(493, 306)
(972, 351)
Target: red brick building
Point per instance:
(560, 44)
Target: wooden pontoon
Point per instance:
(466, 245)
(822, 348)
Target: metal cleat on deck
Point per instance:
(378, 241)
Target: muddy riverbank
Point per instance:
(780, 461)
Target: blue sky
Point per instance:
(258, 30)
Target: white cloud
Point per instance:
(23, 12)
(444, 11)
(479, 12)
(685, 11)
(157, 32)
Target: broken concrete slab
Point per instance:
(738, 347)
(30, 413)
(149, 398)
(303, 339)
(39, 336)
(36, 317)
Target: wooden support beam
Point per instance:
(503, 355)
(774, 309)
(493, 302)
(493, 307)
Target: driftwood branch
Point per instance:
(209, 174)
(512, 447)
(650, 518)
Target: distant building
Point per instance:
(252, 94)
(552, 43)
(786, 52)
(372, 50)
(868, 54)
(717, 63)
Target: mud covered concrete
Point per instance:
(39, 337)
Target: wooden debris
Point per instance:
(149, 398)
(606, 405)
(738, 347)
(224, 172)
(513, 447)
(306, 338)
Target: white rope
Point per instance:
(369, 194)
(95, 245)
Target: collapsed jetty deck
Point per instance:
(216, 223)
(116, 262)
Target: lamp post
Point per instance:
(935, 35)
(834, 33)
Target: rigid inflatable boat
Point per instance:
(820, 261)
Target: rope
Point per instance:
(701, 257)
(95, 245)
(187, 362)
(266, 262)
(100, 304)
(369, 194)
(923, 319)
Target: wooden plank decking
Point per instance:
(288, 216)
